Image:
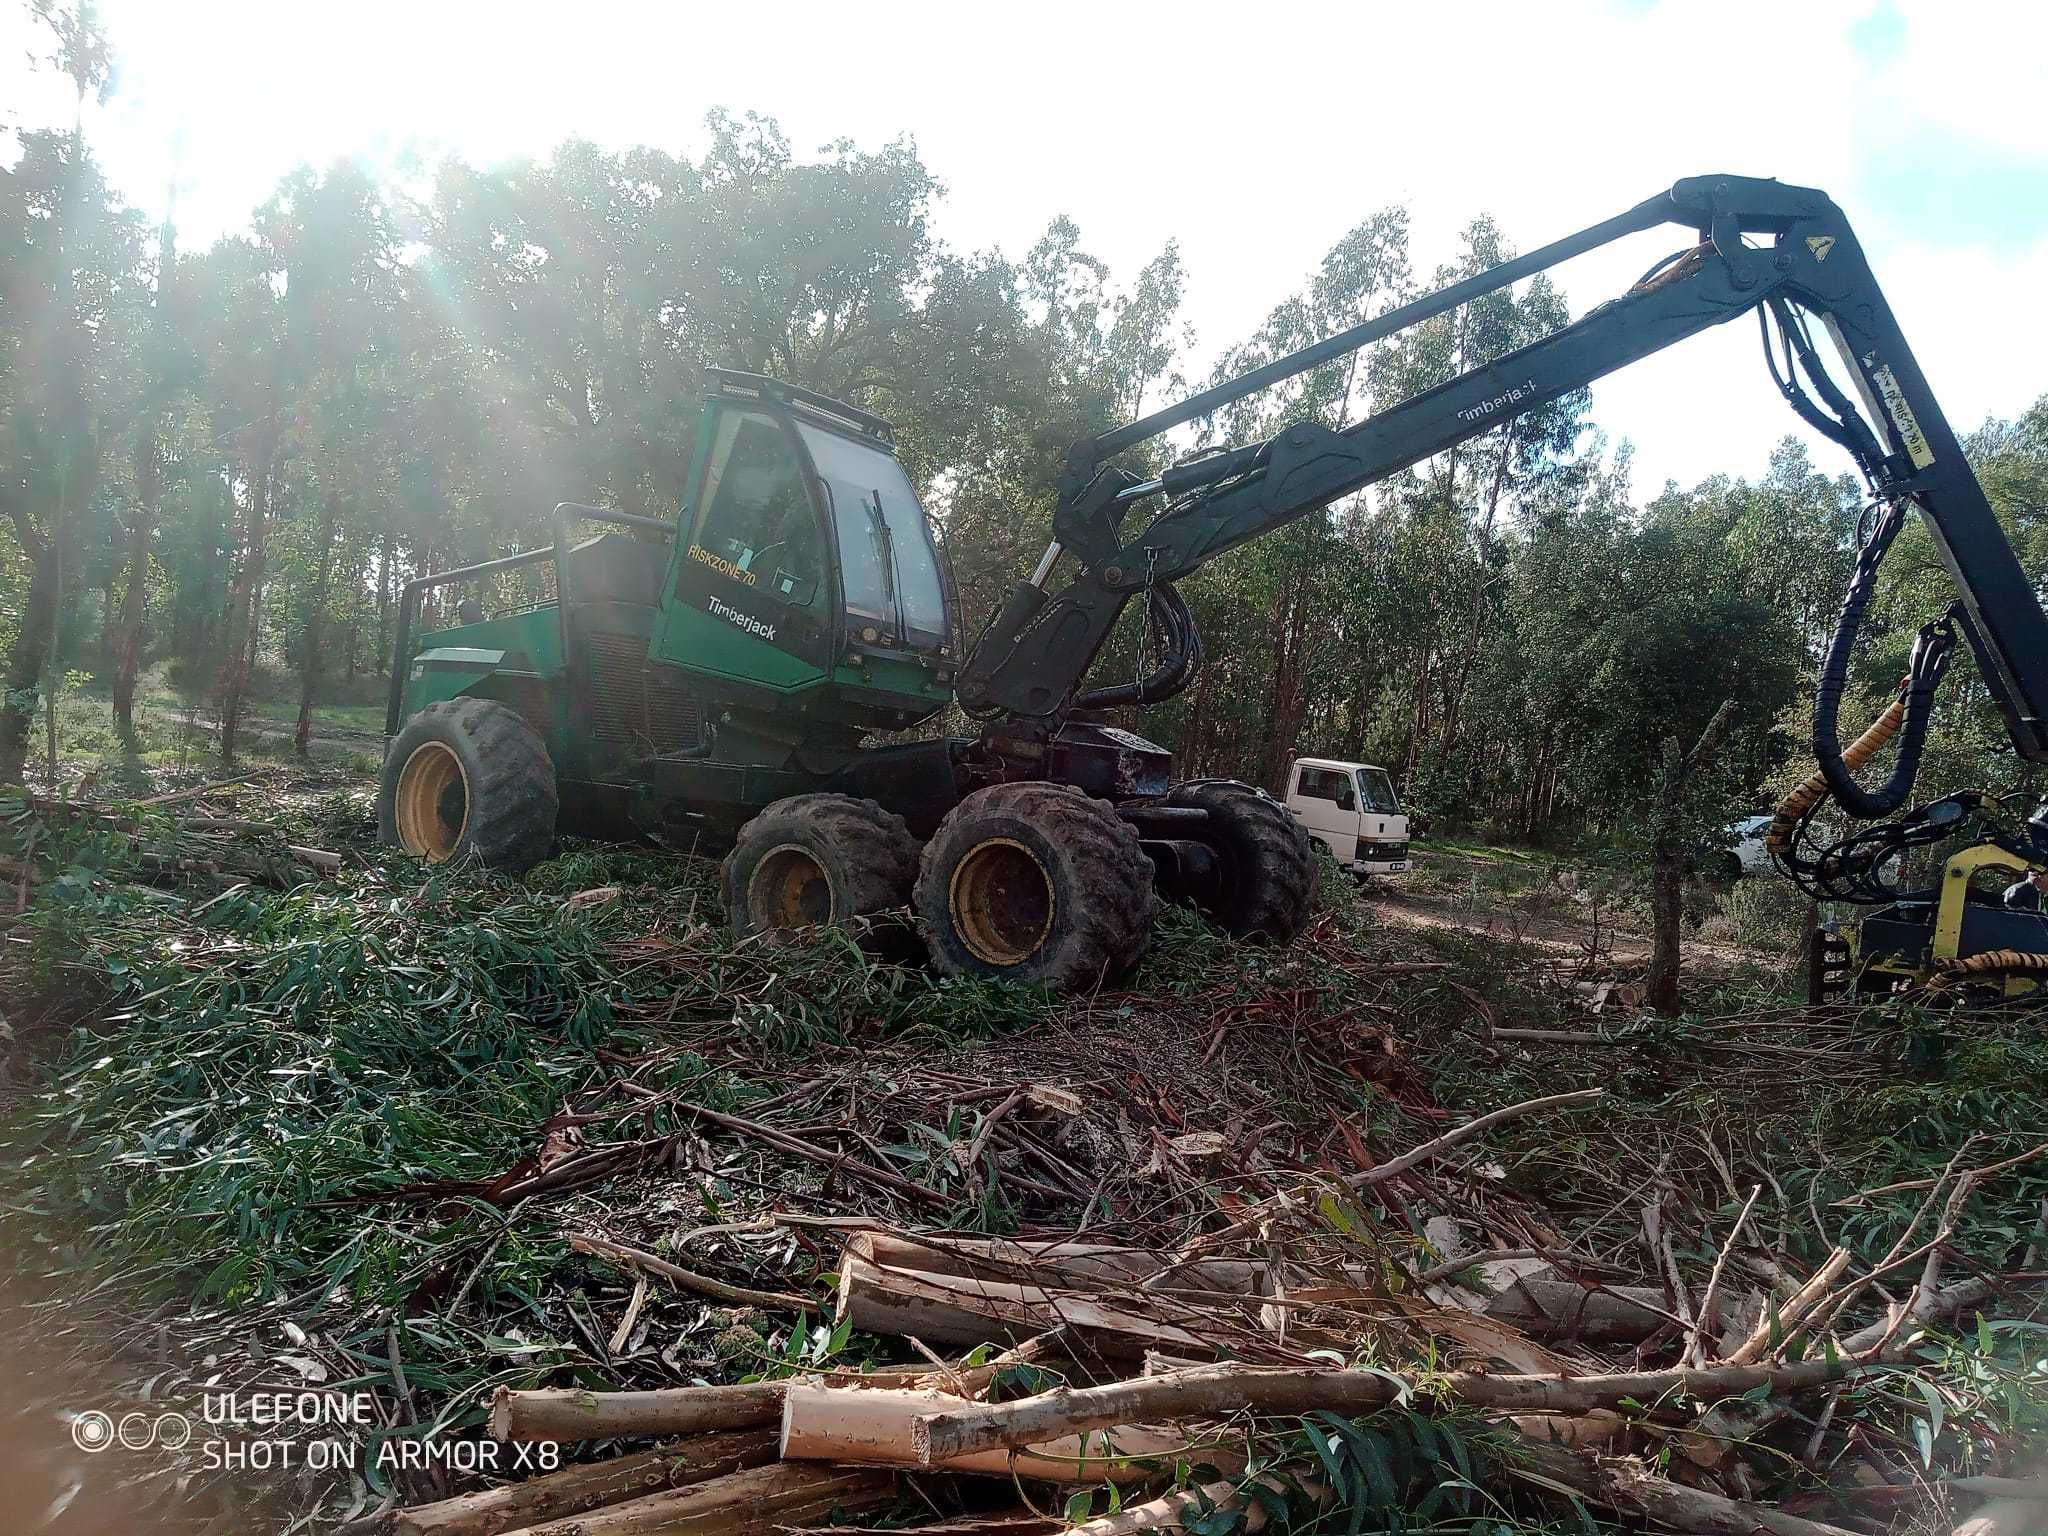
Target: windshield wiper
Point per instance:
(885, 546)
(885, 543)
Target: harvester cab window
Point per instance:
(757, 517)
(886, 562)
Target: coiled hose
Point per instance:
(1168, 613)
(1932, 649)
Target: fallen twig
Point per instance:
(739, 1295)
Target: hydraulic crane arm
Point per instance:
(1035, 655)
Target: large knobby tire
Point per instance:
(469, 778)
(812, 861)
(1268, 874)
(1036, 882)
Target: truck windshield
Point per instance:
(1376, 792)
(886, 562)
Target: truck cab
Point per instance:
(1352, 810)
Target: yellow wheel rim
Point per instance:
(1002, 901)
(789, 889)
(431, 805)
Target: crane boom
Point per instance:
(1027, 671)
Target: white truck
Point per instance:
(1352, 810)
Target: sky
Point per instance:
(1254, 135)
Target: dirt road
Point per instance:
(1555, 935)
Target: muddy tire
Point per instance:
(469, 778)
(1269, 868)
(1035, 882)
(813, 861)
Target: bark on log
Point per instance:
(1069, 1263)
(1562, 1309)
(1102, 1264)
(1935, 1307)
(955, 1309)
(1219, 1391)
(2006, 1517)
(749, 1503)
(1628, 1486)
(1169, 1511)
(573, 1490)
(1803, 1301)
(566, 1413)
(862, 1428)
(572, 1414)
(1581, 1431)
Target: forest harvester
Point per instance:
(711, 681)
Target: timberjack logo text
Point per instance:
(750, 624)
(1486, 408)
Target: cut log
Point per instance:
(1580, 1431)
(1075, 1263)
(749, 1503)
(1621, 1484)
(863, 1428)
(1547, 1308)
(570, 1414)
(956, 1309)
(2006, 1517)
(1219, 1391)
(557, 1413)
(573, 1490)
(1170, 1511)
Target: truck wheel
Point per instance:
(1268, 865)
(1035, 882)
(469, 776)
(812, 861)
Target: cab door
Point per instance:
(1326, 803)
(749, 594)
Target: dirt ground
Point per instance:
(1596, 942)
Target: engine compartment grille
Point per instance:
(636, 705)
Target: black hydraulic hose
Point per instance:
(1839, 429)
(1168, 612)
(1931, 652)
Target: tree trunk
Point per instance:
(53, 663)
(26, 658)
(1667, 857)
(316, 614)
(244, 613)
(1285, 703)
(255, 635)
(385, 557)
(1194, 754)
(134, 601)
(1418, 725)
(1454, 704)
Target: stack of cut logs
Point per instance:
(1153, 1362)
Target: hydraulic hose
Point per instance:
(1931, 652)
(1792, 810)
(1168, 612)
